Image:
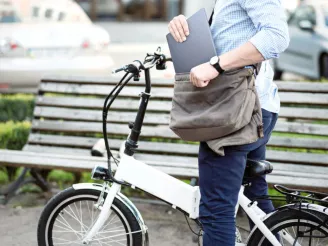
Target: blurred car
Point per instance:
(39, 37)
(307, 53)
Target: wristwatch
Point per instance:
(215, 62)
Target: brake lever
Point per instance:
(119, 69)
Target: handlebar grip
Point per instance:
(119, 70)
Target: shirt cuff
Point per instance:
(263, 43)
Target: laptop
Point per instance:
(197, 49)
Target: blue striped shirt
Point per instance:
(262, 22)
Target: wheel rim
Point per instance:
(311, 235)
(74, 217)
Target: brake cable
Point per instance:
(105, 113)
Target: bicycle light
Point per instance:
(99, 173)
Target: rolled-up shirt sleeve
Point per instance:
(269, 18)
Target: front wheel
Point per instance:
(302, 229)
(70, 214)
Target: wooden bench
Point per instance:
(68, 115)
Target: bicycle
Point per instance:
(99, 214)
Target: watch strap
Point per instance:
(218, 67)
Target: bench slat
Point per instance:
(302, 128)
(309, 87)
(73, 163)
(95, 103)
(107, 80)
(96, 115)
(160, 131)
(291, 170)
(91, 127)
(130, 91)
(158, 118)
(306, 143)
(303, 113)
(167, 93)
(113, 80)
(161, 106)
(304, 98)
(160, 147)
(272, 155)
(57, 150)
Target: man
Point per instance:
(245, 32)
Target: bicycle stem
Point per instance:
(132, 142)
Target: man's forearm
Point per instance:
(245, 55)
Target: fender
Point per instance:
(307, 206)
(126, 201)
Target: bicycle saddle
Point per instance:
(257, 168)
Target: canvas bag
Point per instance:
(224, 113)
(226, 105)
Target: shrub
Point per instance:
(14, 135)
(17, 107)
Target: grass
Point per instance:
(3, 177)
(299, 135)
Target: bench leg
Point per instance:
(11, 171)
(39, 180)
(77, 177)
(13, 187)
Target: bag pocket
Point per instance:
(222, 107)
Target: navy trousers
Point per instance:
(220, 179)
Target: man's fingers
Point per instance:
(205, 83)
(192, 78)
(184, 24)
(179, 27)
(176, 31)
(173, 33)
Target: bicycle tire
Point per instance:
(286, 218)
(65, 198)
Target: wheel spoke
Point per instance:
(110, 221)
(76, 219)
(81, 216)
(66, 241)
(70, 220)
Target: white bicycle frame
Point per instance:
(172, 191)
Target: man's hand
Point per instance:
(201, 75)
(178, 27)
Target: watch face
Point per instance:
(214, 60)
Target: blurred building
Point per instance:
(142, 9)
(127, 10)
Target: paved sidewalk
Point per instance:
(167, 227)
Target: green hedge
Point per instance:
(16, 107)
(14, 135)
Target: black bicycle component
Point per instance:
(105, 112)
(134, 70)
(299, 195)
(131, 144)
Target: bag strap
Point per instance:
(211, 18)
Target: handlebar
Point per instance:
(133, 70)
(150, 61)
